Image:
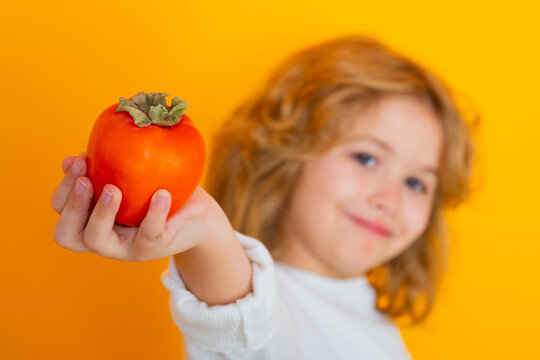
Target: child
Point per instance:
(331, 183)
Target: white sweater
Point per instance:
(290, 314)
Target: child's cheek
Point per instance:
(416, 212)
(349, 181)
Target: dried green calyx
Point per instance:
(151, 108)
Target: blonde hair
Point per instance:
(303, 109)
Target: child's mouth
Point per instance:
(372, 226)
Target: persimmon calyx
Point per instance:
(151, 108)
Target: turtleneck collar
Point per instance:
(355, 292)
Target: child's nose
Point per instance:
(387, 197)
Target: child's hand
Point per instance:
(81, 228)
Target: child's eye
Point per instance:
(416, 185)
(366, 159)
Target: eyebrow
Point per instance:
(372, 139)
(388, 148)
(431, 170)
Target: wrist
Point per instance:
(216, 270)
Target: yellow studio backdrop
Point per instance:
(63, 62)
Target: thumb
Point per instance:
(158, 210)
(151, 230)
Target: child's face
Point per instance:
(369, 197)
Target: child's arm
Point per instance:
(217, 270)
(244, 329)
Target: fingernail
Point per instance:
(106, 196)
(76, 167)
(161, 199)
(80, 187)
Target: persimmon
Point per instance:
(142, 145)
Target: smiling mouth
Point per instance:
(373, 227)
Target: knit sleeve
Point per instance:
(240, 330)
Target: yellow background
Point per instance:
(63, 62)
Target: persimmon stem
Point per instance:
(151, 108)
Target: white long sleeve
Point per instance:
(234, 331)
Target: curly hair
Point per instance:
(302, 111)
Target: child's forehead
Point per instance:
(394, 117)
(398, 125)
